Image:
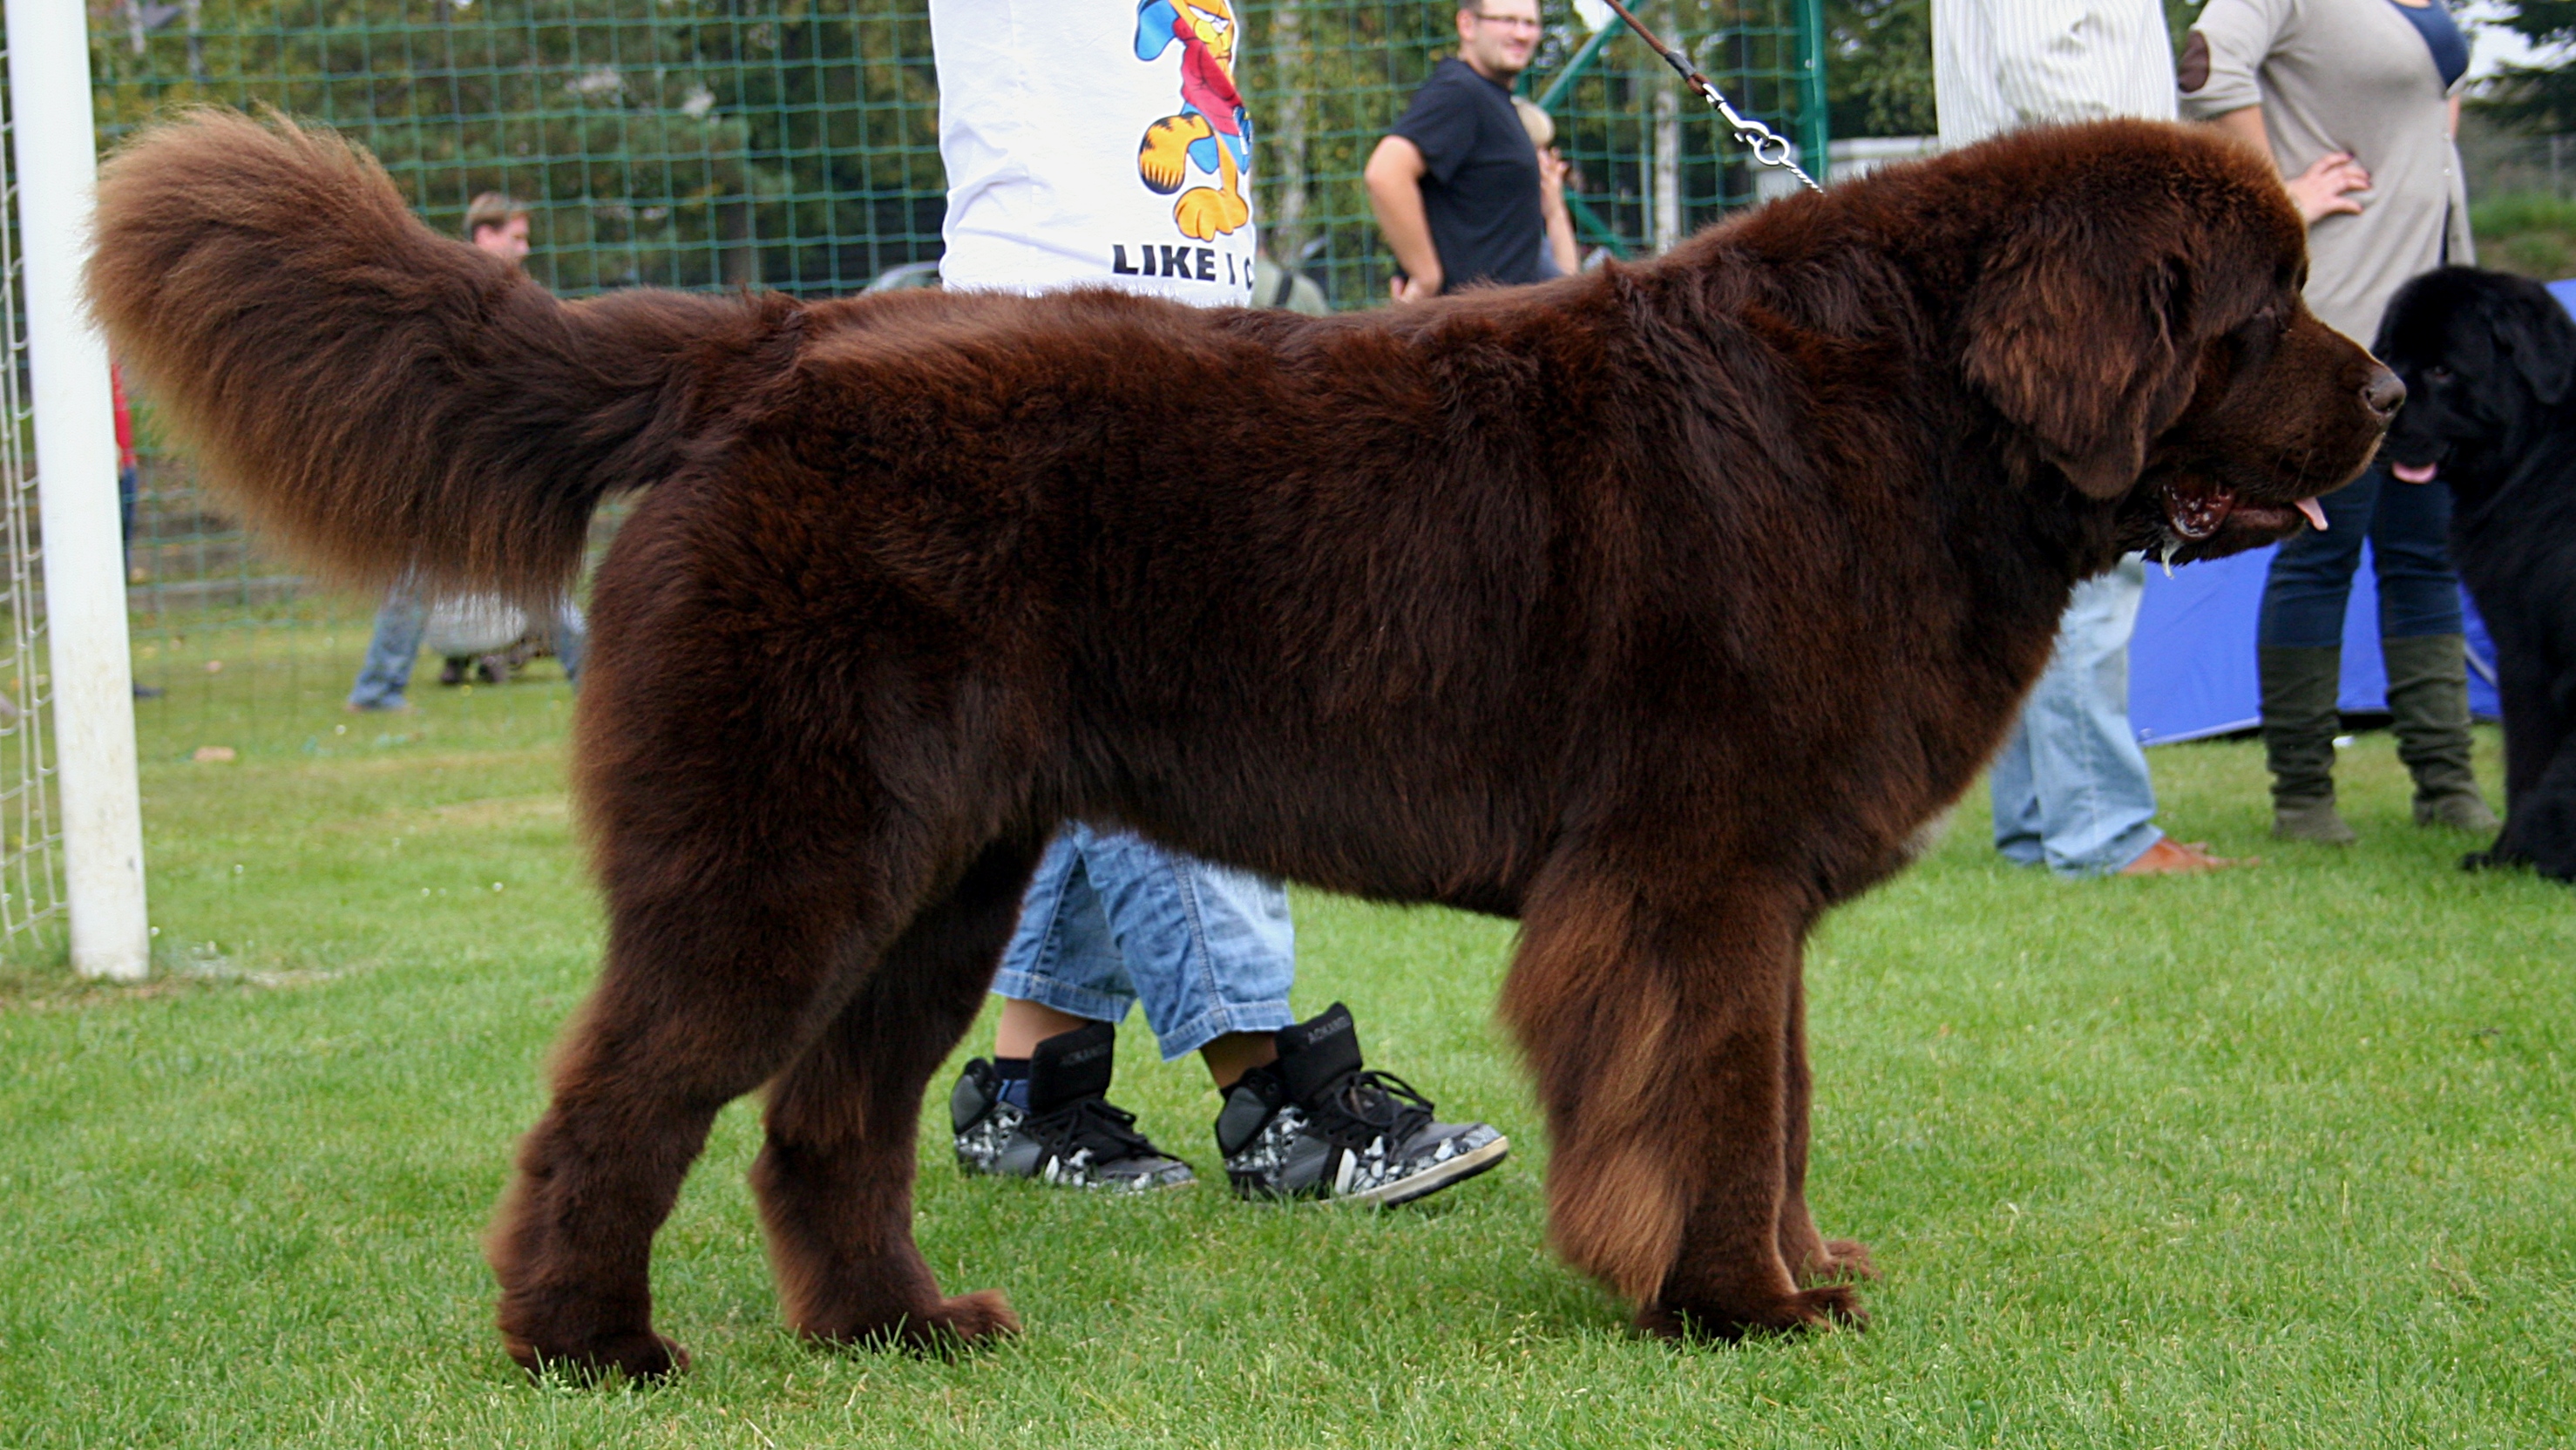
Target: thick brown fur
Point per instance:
(1656, 607)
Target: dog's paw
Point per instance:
(965, 1321)
(644, 1358)
(1842, 1259)
(1817, 1308)
(947, 1327)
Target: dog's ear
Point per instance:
(2070, 336)
(2540, 340)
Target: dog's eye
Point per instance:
(2437, 374)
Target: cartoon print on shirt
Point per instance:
(1211, 134)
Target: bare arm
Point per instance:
(1560, 218)
(2319, 190)
(2247, 126)
(1394, 177)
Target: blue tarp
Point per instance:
(2191, 664)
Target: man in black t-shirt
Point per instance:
(1460, 192)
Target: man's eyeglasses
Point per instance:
(1509, 22)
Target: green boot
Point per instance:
(2299, 724)
(2428, 693)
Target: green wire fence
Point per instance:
(793, 144)
(31, 895)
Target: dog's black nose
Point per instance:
(2383, 392)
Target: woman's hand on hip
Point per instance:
(2324, 188)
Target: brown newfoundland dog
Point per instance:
(1655, 607)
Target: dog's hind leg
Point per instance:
(1810, 1255)
(1660, 1034)
(835, 1176)
(721, 966)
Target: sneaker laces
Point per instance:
(1368, 1105)
(1091, 1125)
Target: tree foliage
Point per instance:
(682, 142)
(2535, 97)
(1878, 67)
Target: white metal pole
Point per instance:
(83, 547)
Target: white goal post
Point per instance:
(54, 147)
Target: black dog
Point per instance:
(2489, 361)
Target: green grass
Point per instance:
(2531, 233)
(2279, 1158)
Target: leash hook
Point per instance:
(1769, 147)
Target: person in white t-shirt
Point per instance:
(1102, 143)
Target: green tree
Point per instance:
(1878, 72)
(2535, 97)
(680, 143)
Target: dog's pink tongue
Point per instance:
(2414, 472)
(2315, 511)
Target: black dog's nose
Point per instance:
(2383, 392)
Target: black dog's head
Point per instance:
(2487, 359)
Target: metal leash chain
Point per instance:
(1768, 146)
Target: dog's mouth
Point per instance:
(2413, 472)
(2205, 519)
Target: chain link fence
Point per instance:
(2522, 200)
(793, 145)
(2502, 164)
(31, 900)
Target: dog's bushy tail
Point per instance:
(385, 398)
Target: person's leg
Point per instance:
(1061, 960)
(387, 669)
(1040, 1109)
(2299, 644)
(1210, 950)
(571, 637)
(2422, 641)
(2016, 796)
(1212, 954)
(126, 488)
(2096, 804)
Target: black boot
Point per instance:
(2299, 724)
(2428, 694)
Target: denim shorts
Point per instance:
(1111, 920)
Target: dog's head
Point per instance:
(2487, 359)
(2133, 316)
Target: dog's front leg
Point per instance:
(2539, 772)
(1661, 1031)
(1810, 1256)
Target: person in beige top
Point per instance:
(2355, 101)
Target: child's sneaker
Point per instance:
(1066, 1133)
(1314, 1124)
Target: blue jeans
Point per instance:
(2408, 525)
(2071, 788)
(400, 620)
(1110, 920)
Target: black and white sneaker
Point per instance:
(1315, 1124)
(1068, 1134)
